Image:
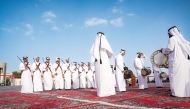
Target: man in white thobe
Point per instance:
(26, 76)
(37, 75)
(67, 74)
(113, 75)
(138, 65)
(158, 79)
(178, 50)
(58, 74)
(119, 63)
(48, 74)
(75, 76)
(89, 76)
(82, 70)
(102, 51)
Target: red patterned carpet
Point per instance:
(87, 99)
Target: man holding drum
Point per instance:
(178, 50)
(138, 65)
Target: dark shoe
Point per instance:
(172, 95)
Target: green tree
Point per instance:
(7, 80)
(16, 73)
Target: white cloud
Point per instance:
(30, 29)
(117, 22)
(70, 25)
(130, 14)
(5, 29)
(116, 10)
(95, 21)
(48, 20)
(55, 28)
(49, 14)
(120, 1)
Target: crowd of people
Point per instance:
(102, 76)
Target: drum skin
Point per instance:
(143, 72)
(163, 75)
(160, 60)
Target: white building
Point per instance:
(3, 67)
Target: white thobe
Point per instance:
(142, 80)
(82, 71)
(89, 75)
(67, 75)
(48, 81)
(94, 79)
(75, 77)
(37, 76)
(103, 51)
(58, 79)
(179, 72)
(158, 79)
(104, 82)
(26, 79)
(120, 81)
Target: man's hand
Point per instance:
(63, 75)
(160, 50)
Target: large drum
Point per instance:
(145, 71)
(163, 75)
(158, 59)
(128, 74)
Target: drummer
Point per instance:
(119, 63)
(138, 65)
(158, 79)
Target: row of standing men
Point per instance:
(39, 77)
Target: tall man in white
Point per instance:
(48, 74)
(89, 75)
(138, 65)
(67, 74)
(102, 51)
(119, 63)
(58, 74)
(75, 76)
(178, 50)
(37, 75)
(158, 79)
(82, 70)
(26, 77)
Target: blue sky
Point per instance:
(67, 28)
